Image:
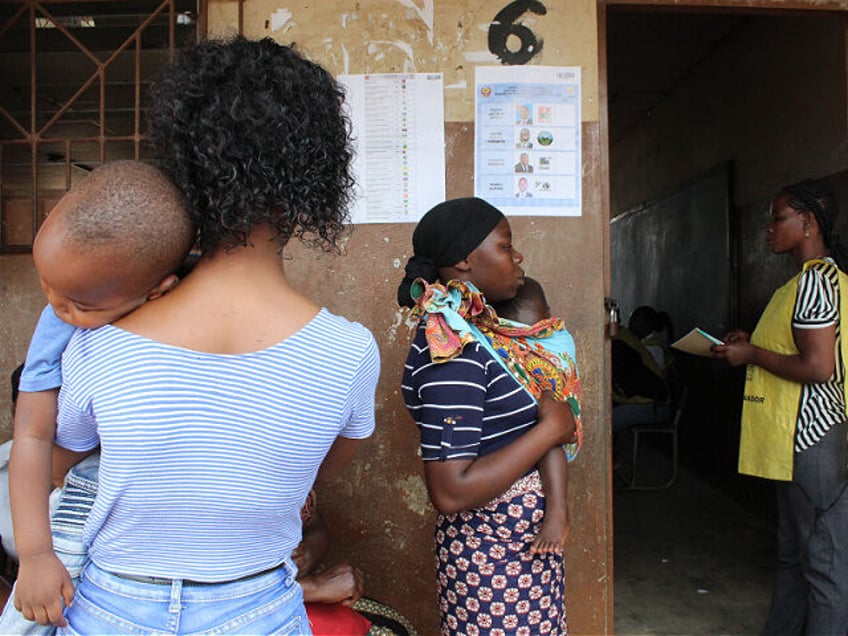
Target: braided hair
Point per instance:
(817, 198)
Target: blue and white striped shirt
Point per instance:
(464, 408)
(207, 458)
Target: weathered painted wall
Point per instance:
(771, 99)
(418, 36)
(379, 510)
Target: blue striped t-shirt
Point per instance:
(464, 408)
(207, 458)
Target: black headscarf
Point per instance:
(815, 197)
(447, 234)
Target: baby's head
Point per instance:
(528, 306)
(112, 243)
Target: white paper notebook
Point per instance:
(697, 342)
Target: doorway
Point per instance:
(691, 90)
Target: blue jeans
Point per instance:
(812, 574)
(267, 603)
(66, 525)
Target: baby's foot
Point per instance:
(552, 534)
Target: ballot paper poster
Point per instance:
(399, 141)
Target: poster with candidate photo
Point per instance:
(527, 139)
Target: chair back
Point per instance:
(680, 404)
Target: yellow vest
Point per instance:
(770, 404)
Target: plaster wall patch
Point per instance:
(373, 49)
(280, 20)
(480, 56)
(425, 13)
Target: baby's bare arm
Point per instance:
(42, 579)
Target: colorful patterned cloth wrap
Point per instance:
(539, 356)
(489, 581)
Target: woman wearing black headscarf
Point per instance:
(793, 416)
(481, 433)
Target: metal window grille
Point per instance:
(73, 93)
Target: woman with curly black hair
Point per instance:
(216, 405)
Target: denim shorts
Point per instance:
(267, 603)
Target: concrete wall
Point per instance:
(771, 99)
(379, 510)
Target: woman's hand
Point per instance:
(737, 348)
(737, 335)
(735, 353)
(814, 362)
(554, 413)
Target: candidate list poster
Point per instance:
(399, 141)
(527, 139)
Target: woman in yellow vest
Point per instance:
(793, 414)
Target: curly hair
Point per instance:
(253, 133)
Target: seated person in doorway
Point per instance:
(641, 367)
(654, 329)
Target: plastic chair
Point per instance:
(669, 427)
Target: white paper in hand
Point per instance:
(697, 342)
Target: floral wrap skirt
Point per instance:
(489, 582)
